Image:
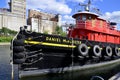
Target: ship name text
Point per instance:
(60, 40)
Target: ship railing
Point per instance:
(96, 26)
(80, 24)
(88, 24)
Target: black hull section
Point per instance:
(83, 72)
(52, 60)
(56, 54)
(62, 60)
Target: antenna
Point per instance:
(86, 6)
(89, 3)
(96, 10)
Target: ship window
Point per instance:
(89, 17)
(78, 18)
(83, 17)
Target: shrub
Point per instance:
(5, 39)
(5, 31)
(59, 31)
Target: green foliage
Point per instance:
(63, 34)
(45, 32)
(59, 31)
(5, 31)
(5, 39)
(6, 34)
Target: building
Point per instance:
(15, 16)
(43, 22)
(18, 7)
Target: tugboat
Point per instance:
(91, 48)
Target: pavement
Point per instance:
(4, 43)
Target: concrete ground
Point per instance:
(4, 43)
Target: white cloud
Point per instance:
(67, 19)
(77, 0)
(113, 16)
(49, 5)
(82, 1)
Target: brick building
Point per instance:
(43, 22)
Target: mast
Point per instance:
(86, 6)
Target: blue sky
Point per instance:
(2, 3)
(109, 8)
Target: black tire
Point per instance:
(19, 42)
(18, 49)
(108, 51)
(19, 61)
(116, 51)
(83, 49)
(96, 51)
(19, 55)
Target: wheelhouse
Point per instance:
(92, 27)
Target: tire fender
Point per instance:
(96, 50)
(108, 51)
(116, 51)
(17, 49)
(19, 61)
(19, 42)
(19, 55)
(83, 49)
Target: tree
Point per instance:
(7, 31)
(45, 32)
(59, 31)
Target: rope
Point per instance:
(33, 61)
(34, 55)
